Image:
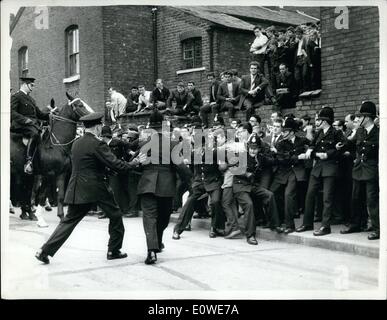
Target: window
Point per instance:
(192, 53)
(23, 62)
(72, 48)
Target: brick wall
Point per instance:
(232, 50)
(128, 47)
(170, 24)
(46, 54)
(349, 62)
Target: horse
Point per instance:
(51, 160)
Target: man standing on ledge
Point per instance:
(88, 186)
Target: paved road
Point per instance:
(195, 266)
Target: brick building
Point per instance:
(85, 50)
(124, 45)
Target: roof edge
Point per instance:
(15, 21)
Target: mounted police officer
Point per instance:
(25, 116)
(88, 186)
(365, 172)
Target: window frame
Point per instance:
(23, 61)
(192, 55)
(72, 51)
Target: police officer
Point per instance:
(87, 186)
(290, 170)
(25, 116)
(207, 178)
(365, 171)
(325, 170)
(157, 185)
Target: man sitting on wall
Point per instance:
(144, 99)
(132, 100)
(228, 95)
(118, 102)
(160, 95)
(178, 100)
(252, 89)
(284, 87)
(212, 103)
(197, 101)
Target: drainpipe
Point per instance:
(154, 38)
(211, 44)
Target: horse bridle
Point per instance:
(63, 119)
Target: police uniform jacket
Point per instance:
(326, 143)
(206, 174)
(159, 178)
(23, 107)
(287, 159)
(367, 155)
(90, 156)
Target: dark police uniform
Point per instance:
(157, 188)
(88, 186)
(207, 179)
(365, 174)
(23, 107)
(289, 171)
(324, 171)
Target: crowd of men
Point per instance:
(285, 64)
(322, 170)
(326, 171)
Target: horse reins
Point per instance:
(52, 135)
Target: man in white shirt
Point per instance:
(117, 102)
(258, 47)
(144, 100)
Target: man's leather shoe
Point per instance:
(41, 256)
(252, 240)
(24, 216)
(322, 231)
(116, 255)
(304, 228)
(374, 236)
(188, 227)
(212, 233)
(102, 216)
(289, 230)
(220, 233)
(48, 206)
(151, 258)
(175, 236)
(277, 229)
(369, 229)
(131, 215)
(233, 234)
(350, 230)
(32, 216)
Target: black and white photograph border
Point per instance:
(282, 266)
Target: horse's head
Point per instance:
(74, 109)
